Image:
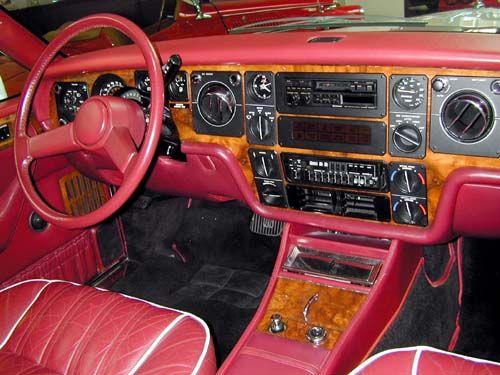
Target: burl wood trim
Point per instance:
(9, 120)
(439, 166)
(334, 309)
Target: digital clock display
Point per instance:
(308, 131)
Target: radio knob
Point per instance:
(293, 98)
(407, 212)
(407, 138)
(407, 181)
(260, 127)
(264, 167)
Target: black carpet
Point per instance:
(480, 317)
(227, 266)
(429, 314)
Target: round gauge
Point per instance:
(178, 87)
(262, 87)
(70, 96)
(108, 85)
(142, 80)
(409, 93)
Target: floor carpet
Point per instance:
(201, 259)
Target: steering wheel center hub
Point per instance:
(91, 122)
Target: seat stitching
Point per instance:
(155, 343)
(122, 329)
(90, 326)
(21, 317)
(62, 321)
(33, 320)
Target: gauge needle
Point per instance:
(265, 86)
(407, 91)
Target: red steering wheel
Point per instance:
(109, 126)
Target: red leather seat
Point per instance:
(55, 327)
(424, 360)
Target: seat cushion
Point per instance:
(60, 327)
(424, 360)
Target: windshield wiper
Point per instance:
(330, 22)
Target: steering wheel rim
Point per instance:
(25, 152)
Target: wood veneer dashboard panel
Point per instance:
(438, 166)
(334, 309)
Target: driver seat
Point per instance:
(56, 327)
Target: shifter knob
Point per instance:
(277, 325)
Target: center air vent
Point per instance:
(467, 117)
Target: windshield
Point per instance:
(377, 15)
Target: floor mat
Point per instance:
(479, 321)
(227, 269)
(429, 313)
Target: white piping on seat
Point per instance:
(421, 349)
(183, 314)
(416, 360)
(155, 343)
(13, 328)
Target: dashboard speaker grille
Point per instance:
(81, 194)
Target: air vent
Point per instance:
(467, 117)
(325, 39)
(217, 104)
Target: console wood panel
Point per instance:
(438, 166)
(334, 309)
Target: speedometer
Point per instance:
(108, 85)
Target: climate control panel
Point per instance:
(408, 184)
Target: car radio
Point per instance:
(355, 95)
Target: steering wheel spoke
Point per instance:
(121, 149)
(54, 142)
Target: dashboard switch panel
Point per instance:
(268, 179)
(217, 103)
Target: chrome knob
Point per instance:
(316, 335)
(277, 325)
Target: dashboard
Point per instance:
(363, 143)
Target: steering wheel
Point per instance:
(108, 126)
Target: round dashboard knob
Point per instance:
(407, 182)
(260, 126)
(264, 167)
(407, 138)
(407, 212)
(439, 84)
